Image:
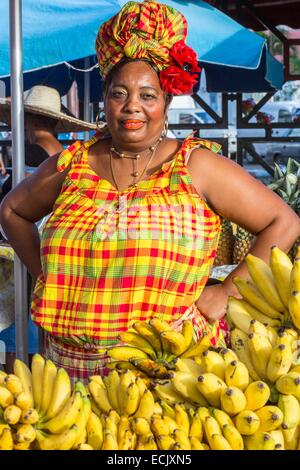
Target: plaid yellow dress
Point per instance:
(110, 258)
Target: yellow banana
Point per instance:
(280, 362)
(257, 394)
(30, 416)
(233, 437)
(260, 352)
(182, 418)
(182, 439)
(258, 327)
(262, 276)
(281, 267)
(99, 394)
(237, 314)
(128, 442)
(22, 371)
(159, 325)
(150, 367)
(290, 408)
(21, 445)
(13, 384)
(247, 422)
(94, 431)
(211, 386)
(12, 414)
(291, 437)
(137, 341)
(150, 443)
(61, 393)
(37, 370)
(140, 426)
(239, 341)
(289, 384)
(25, 433)
(277, 435)
(261, 317)
(198, 348)
(159, 426)
(210, 427)
(63, 441)
(126, 379)
(259, 441)
(186, 385)
(24, 400)
(252, 295)
(49, 377)
(84, 446)
(165, 442)
(6, 397)
(175, 340)
(83, 415)
(218, 442)
(167, 409)
(188, 365)
(6, 440)
(214, 363)
(233, 401)
(124, 353)
(221, 416)
(294, 307)
(196, 443)
(270, 417)
(149, 334)
(237, 375)
(2, 377)
(146, 405)
(228, 355)
(295, 275)
(196, 428)
(133, 399)
(273, 336)
(188, 332)
(166, 392)
(65, 417)
(112, 383)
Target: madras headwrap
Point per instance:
(140, 30)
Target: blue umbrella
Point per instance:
(59, 35)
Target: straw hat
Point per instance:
(45, 101)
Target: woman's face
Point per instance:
(135, 106)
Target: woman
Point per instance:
(135, 223)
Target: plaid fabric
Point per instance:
(110, 258)
(140, 30)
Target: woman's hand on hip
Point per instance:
(213, 302)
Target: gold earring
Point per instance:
(100, 118)
(165, 129)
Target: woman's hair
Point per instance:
(119, 65)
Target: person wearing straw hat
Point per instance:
(135, 215)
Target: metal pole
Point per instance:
(18, 166)
(86, 99)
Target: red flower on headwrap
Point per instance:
(185, 56)
(176, 81)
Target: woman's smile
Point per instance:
(132, 124)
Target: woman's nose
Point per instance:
(132, 104)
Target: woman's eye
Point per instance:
(118, 94)
(148, 96)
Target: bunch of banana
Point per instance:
(272, 296)
(151, 348)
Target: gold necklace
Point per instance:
(136, 157)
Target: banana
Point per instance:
(182, 418)
(218, 442)
(61, 394)
(133, 399)
(295, 275)
(146, 405)
(12, 414)
(126, 379)
(247, 422)
(214, 363)
(137, 341)
(188, 332)
(188, 366)
(290, 408)
(37, 370)
(166, 392)
(233, 437)
(150, 443)
(260, 352)
(94, 430)
(228, 355)
(291, 437)
(24, 400)
(259, 441)
(22, 371)
(286, 336)
(22, 446)
(6, 440)
(13, 384)
(281, 267)
(151, 368)
(252, 295)
(63, 441)
(196, 427)
(6, 397)
(182, 439)
(237, 375)
(211, 386)
(167, 409)
(25, 433)
(83, 415)
(294, 307)
(233, 401)
(210, 427)
(261, 317)
(237, 314)
(258, 327)
(289, 384)
(124, 353)
(159, 325)
(112, 383)
(270, 417)
(66, 417)
(280, 362)
(49, 377)
(239, 341)
(273, 336)
(176, 341)
(277, 435)
(30, 416)
(165, 442)
(159, 426)
(128, 442)
(202, 413)
(257, 394)
(149, 334)
(186, 385)
(221, 417)
(196, 443)
(2, 377)
(84, 446)
(140, 426)
(99, 394)
(198, 348)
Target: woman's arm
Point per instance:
(239, 197)
(27, 203)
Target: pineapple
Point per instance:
(287, 186)
(225, 245)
